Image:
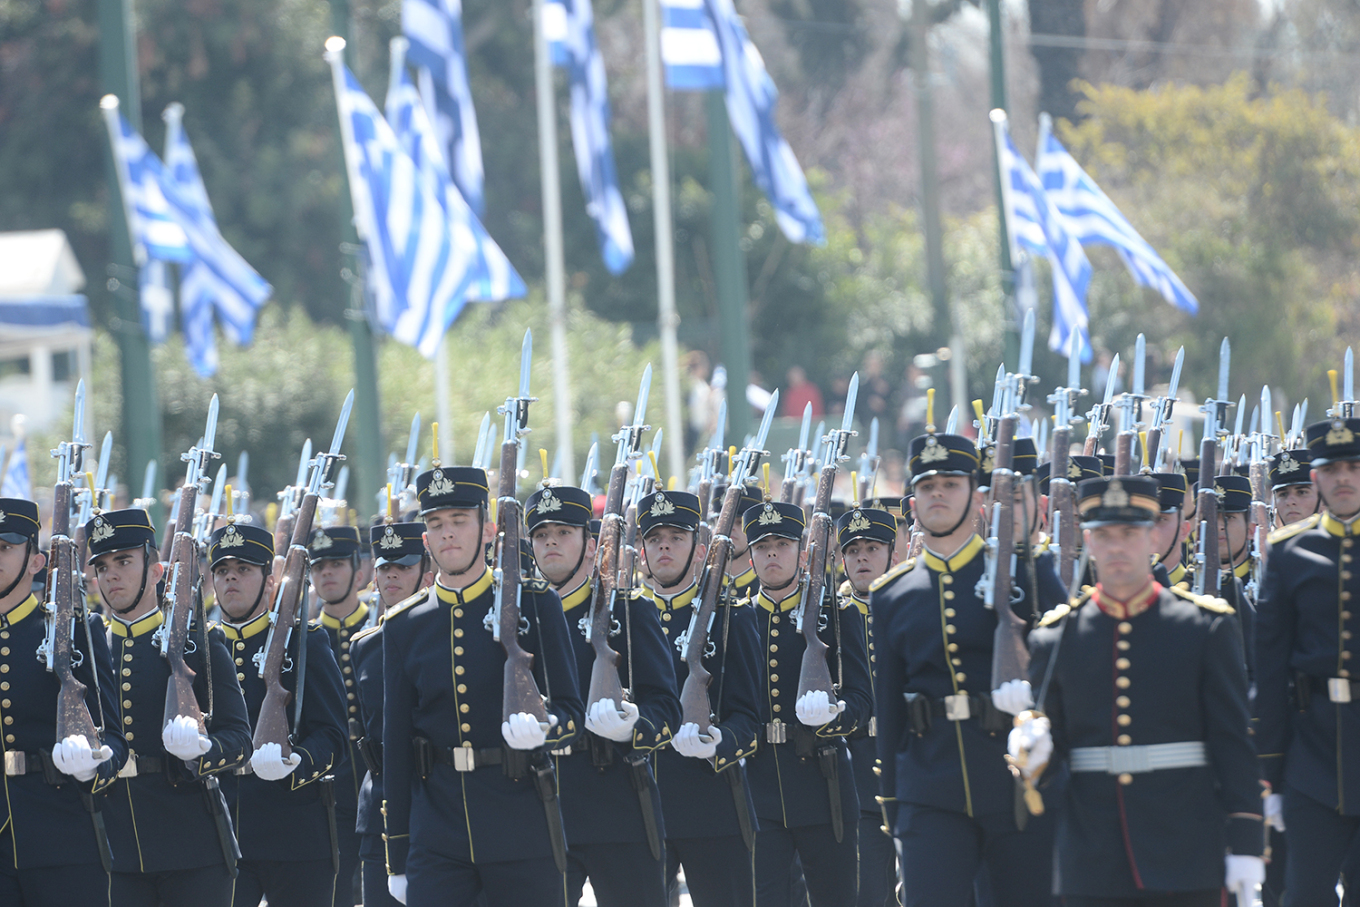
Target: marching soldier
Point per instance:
(610, 803)
(53, 848)
(802, 783)
(1146, 707)
(1293, 494)
(466, 793)
(741, 575)
(337, 578)
(866, 538)
(284, 809)
(1170, 530)
(402, 568)
(948, 796)
(708, 807)
(168, 826)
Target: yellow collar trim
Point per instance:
(142, 625)
(465, 594)
(970, 550)
(1337, 527)
(1242, 569)
(1176, 574)
(862, 604)
(578, 596)
(788, 604)
(682, 599)
(335, 623)
(27, 607)
(743, 580)
(248, 629)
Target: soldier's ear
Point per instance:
(36, 563)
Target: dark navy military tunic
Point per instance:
(43, 825)
(1160, 669)
(442, 680)
(366, 655)
(286, 820)
(161, 821)
(599, 805)
(341, 632)
(863, 746)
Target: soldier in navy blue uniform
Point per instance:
(1293, 496)
(283, 809)
(1146, 709)
(1170, 529)
(470, 798)
(1235, 529)
(336, 576)
(401, 570)
(610, 802)
(53, 848)
(741, 576)
(709, 812)
(801, 779)
(172, 840)
(1307, 704)
(866, 538)
(948, 795)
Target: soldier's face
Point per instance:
(865, 561)
(1338, 485)
(1122, 554)
(397, 583)
(13, 562)
(237, 586)
(119, 575)
(776, 560)
(738, 536)
(1234, 539)
(665, 551)
(557, 550)
(1294, 503)
(1025, 513)
(333, 578)
(1167, 533)
(456, 538)
(939, 501)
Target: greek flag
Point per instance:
(705, 45)
(435, 30)
(1034, 224)
(1092, 219)
(16, 483)
(569, 26)
(155, 230)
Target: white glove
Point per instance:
(610, 722)
(814, 708)
(1013, 696)
(74, 757)
(396, 886)
(525, 732)
(1275, 812)
(1030, 743)
(268, 763)
(1242, 876)
(182, 740)
(689, 742)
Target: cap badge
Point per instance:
(2, 516)
(322, 541)
(231, 539)
(1115, 495)
(549, 502)
(934, 451)
(441, 486)
(1220, 492)
(769, 516)
(1073, 469)
(102, 531)
(858, 522)
(1288, 464)
(1339, 434)
(989, 461)
(390, 540)
(661, 506)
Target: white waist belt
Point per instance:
(1119, 760)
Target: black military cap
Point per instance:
(1106, 464)
(450, 486)
(751, 495)
(1119, 499)
(679, 509)
(595, 529)
(1288, 467)
(397, 543)
(118, 530)
(18, 520)
(1191, 468)
(334, 543)
(941, 455)
(773, 518)
(1024, 458)
(1079, 468)
(837, 508)
(1233, 493)
(1171, 489)
(866, 523)
(894, 506)
(252, 544)
(1333, 440)
(558, 504)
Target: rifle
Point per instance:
(868, 465)
(1099, 416)
(1010, 656)
(290, 499)
(180, 595)
(695, 704)
(1131, 419)
(710, 465)
(1261, 510)
(272, 724)
(1215, 411)
(795, 458)
(1161, 418)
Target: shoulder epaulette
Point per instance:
(845, 589)
(1293, 529)
(535, 585)
(366, 631)
(1207, 602)
(1056, 614)
(406, 604)
(904, 567)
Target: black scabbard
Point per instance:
(328, 798)
(826, 761)
(1021, 810)
(640, 775)
(226, 835)
(736, 779)
(545, 782)
(101, 836)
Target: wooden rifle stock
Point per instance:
(695, 706)
(1207, 502)
(73, 715)
(1010, 653)
(1123, 454)
(815, 672)
(1154, 446)
(604, 671)
(705, 500)
(1062, 517)
(520, 690)
(179, 691)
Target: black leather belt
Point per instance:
(922, 711)
(465, 758)
(141, 765)
(19, 763)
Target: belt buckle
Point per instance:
(129, 769)
(564, 751)
(464, 758)
(776, 732)
(244, 768)
(873, 725)
(16, 763)
(1339, 689)
(956, 707)
(1128, 760)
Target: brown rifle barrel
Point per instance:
(695, 706)
(519, 690)
(815, 671)
(179, 691)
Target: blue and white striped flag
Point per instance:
(1034, 224)
(155, 230)
(16, 483)
(435, 30)
(689, 46)
(570, 29)
(1093, 219)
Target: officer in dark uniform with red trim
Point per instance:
(168, 824)
(53, 850)
(465, 815)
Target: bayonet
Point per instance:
(1026, 346)
(101, 476)
(952, 424)
(148, 484)
(1139, 362)
(1111, 380)
(805, 427)
(592, 458)
(1348, 381)
(1224, 362)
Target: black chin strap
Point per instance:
(23, 572)
(791, 579)
(136, 600)
(479, 548)
(580, 559)
(353, 574)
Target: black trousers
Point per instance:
(1211, 897)
(718, 871)
(347, 879)
(306, 883)
(877, 864)
(205, 886)
(53, 886)
(435, 880)
(1319, 840)
(831, 870)
(941, 852)
(621, 875)
(375, 885)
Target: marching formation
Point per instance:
(1036, 677)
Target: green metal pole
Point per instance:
(368, 444)
(141, 427)
(729, 266)
(998, 81)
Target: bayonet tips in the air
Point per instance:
(1139, 363)
(1027, 344)
(1224, 365)
(526, 356)
(851, 396)
(1112, 379)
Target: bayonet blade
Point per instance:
(805, 427)
(1074, 362)
(219, 484)
(149, 479)
(413, 441)
(242, 469)
(526, 354)
(342, 424)
(210, 430)
(1176, 375)
(645, 388)
(1348, 377)
(759, 442)
(1303, 416)
(591, 459)
(1027, 343)
(953, 423)
(1224, 363)
(720, 430)
(484, 441)
(105, 450)
(303, 460)
(872, 449)
(1267, 411)
(1255, 420)
(1139, 363)
(1111, 380)
(341, 484)
(1241, 413)
(78, 426)
(851, 396)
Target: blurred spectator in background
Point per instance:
(798, 391)
(911, 416)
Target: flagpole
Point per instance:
(667, 319)
(552, 237)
